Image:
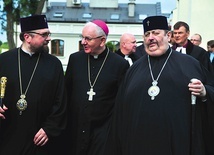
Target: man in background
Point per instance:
(210, 45)
(196, 39)
(183, 45)
(128, 47)
(210, 51)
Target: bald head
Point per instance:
(127, 43)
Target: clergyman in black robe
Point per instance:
(32, 72)
(161, 120)
(184, 45)
(89, 115)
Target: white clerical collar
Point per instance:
(27, 52)
(128, 59)
(181, 49)
(95, 56)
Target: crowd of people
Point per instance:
(154, 99)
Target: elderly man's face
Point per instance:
(156, 42)
(91, 41)
(195, 39)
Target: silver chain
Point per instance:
(150, 68)
(89, 72)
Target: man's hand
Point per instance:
(2, 110)
(197, 88)
(40, 138)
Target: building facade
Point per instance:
(66, 20)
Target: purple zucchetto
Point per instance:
(33, 23)
(102, 25)
(155, 22)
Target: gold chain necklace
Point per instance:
(91, 92)
(154, 90)
(22, 103)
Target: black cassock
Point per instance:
(162, 126)
(45, 108)
(89, 120)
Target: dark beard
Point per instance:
(44, 48)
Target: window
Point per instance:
(58, 14)
(115, 16)
(80, 46)
(87, 15)
(57, 47)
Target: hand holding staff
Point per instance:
(2, 88)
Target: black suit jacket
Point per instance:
(212, 63)
(198, 53)
(133, 56)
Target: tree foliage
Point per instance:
(13, 10)
(113, 45)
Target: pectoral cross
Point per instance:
(91, 93)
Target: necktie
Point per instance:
(129, 60)
(211, 57)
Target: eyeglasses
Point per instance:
(194, 40)
(44, 35)
(88, 38)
